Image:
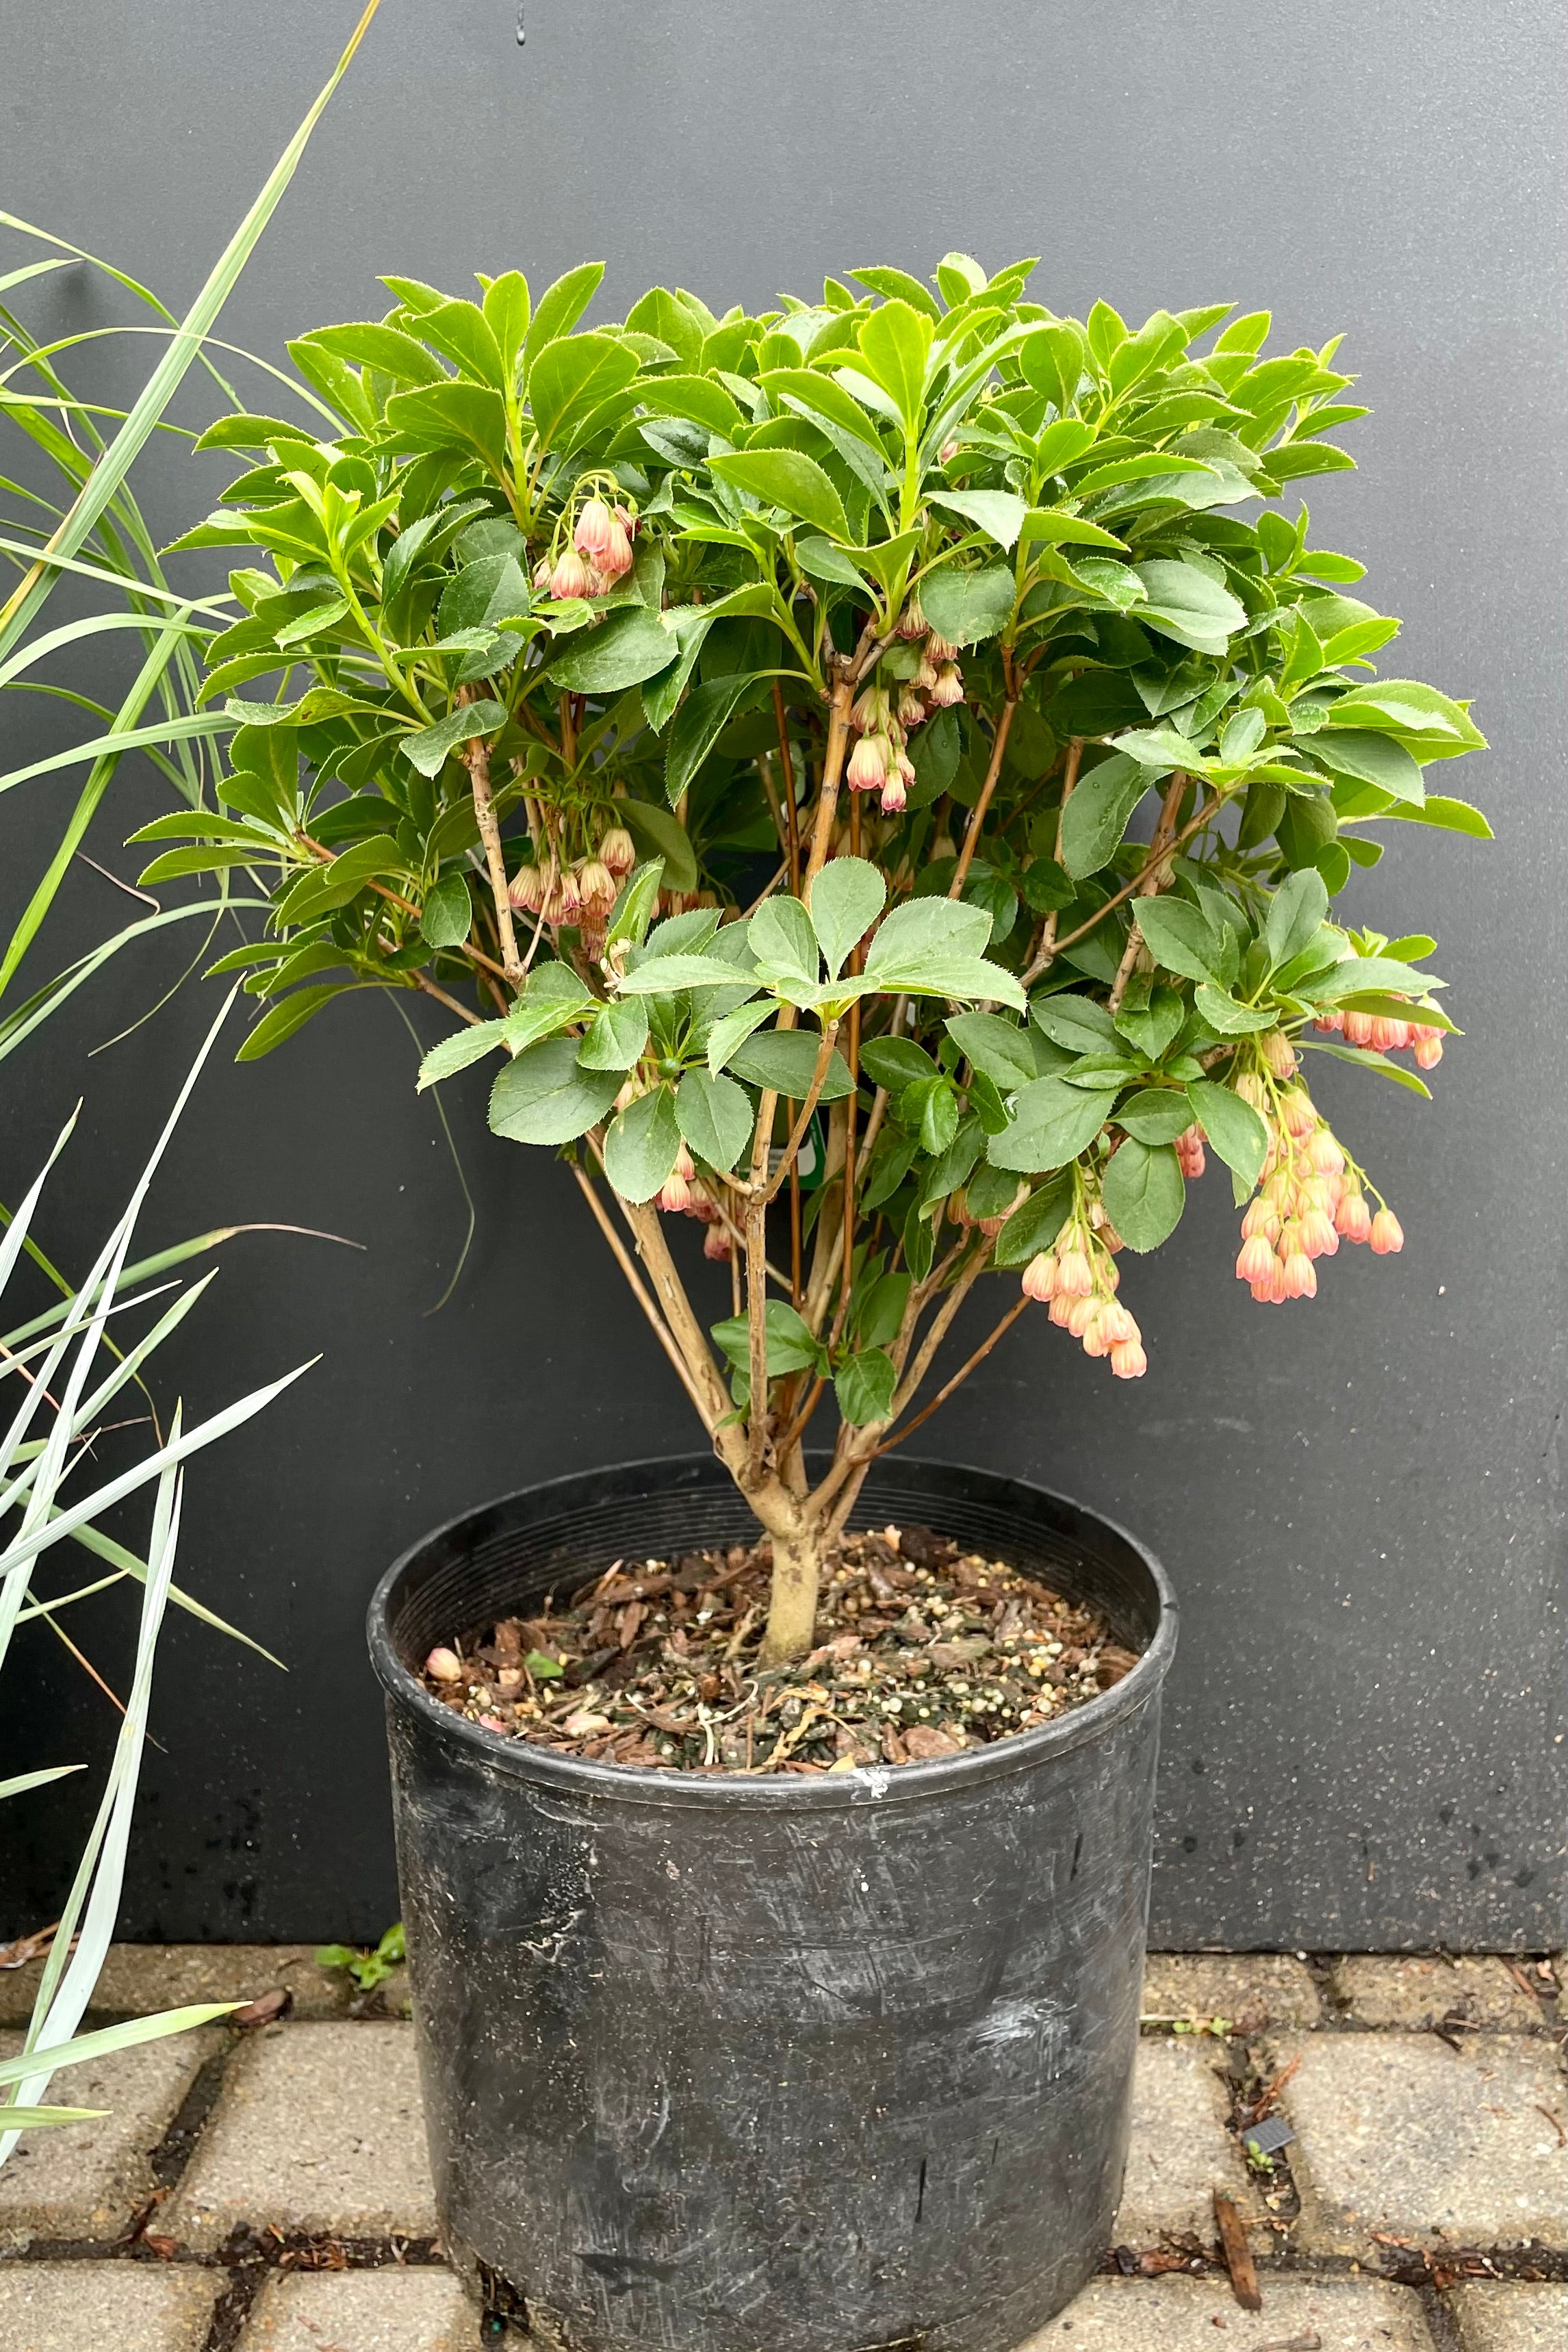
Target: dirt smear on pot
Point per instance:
(924, 1651)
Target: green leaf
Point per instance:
(791, 1347)
(879, 1313)
(468, 416)
(732, 1029)
(931, 947)
(639, 894)
(896, 1062)
(894, 343)
(1144, 1193)
(1076, 1022)
(1062, 529)
(553, 998)
(1368, 1061)
(1451, 816)
(700, 397)
(998, 1048)
(291, 1014)
(787, 478)
(1371, 759)
(641, 1145)
(1236, 1130)
(1224, 1013)
(1438, 727)
(625, 647)
(1053, 1123)
(428, 747)
(1155, 1115)
(544, 1096)
(1180, 937)
(561, 305)
(455, 1052)
(1097, 815)
(1153, 1026)
(716, 1118)
(448, 915)
(660, 975)
(660, 833)
(966, 606)
(506, 307)
(999, 513)
(866, 1387)
(782, 1060)
(700, 720)
(1186, 604)
(1295, 912)
(1034, 1225)
(931, 1107)
(615, 1037)
(846, 897)
(569, 378)
(782, 939)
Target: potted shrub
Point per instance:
(873, 778)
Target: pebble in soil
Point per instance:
(923, 1651)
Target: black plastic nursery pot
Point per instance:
(784, 2063)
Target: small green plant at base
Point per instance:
(368, 1969)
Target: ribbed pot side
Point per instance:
(790, 2063)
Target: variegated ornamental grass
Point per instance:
(874, 775)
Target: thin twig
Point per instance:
(787, 786)
(1155, 873)
(1048, 934)
(476, 760)
(624, 1260)
(431, 989)
(943, 1393)
(977, 814)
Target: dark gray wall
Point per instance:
(1359, 1497)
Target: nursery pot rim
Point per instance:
(786, 1792)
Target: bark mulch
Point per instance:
(924, 1650)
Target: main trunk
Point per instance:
(792, 1600)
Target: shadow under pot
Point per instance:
(782, 2062)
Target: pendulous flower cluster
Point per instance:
(1312, 1195)
(597, 555)
(1078, 1276)
(1385, 1034)
(581, 892)
(924, 675)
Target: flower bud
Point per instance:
(1279, 1053)
(949, 686)
(1352, 1218)
(938, 649)
(870, 711)
(1256, 1262)
(1128, 1361)
(526, 890)
(1092, 1335)
(1300, 1276)
(444, 1665)
(591, 537)
(1073, 1280)
(1329, 1022)
(1190, 1155)
(618, 851)
(1260, 1219)
(717, 1245)
(893, 796)
(1387, 1234)
(870, 764)
(924, 677)
(616, 559)
(1061, 1305)
(1358, 1028)
(1318, 1238)
(1296, 1108)
(542, 574)
(596, 887)
(1116, 1325)
(1428, 1050)
(1389, 1036)
(912, 620)
(1080, 1314)
(674, 1196)
(1038, 1278)
(1252, 1089)
(571, 576)
(1325, 1153)
(911, 708)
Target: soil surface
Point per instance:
(923, 1651)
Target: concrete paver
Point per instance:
(1249, 1989)
(1400, 2133)
(1416, 1993)
(1185, 2315)
(1505, 2317)
(1182, 2150)
(387, 2310)
(318, 2129)
(137, 1978)
(85, 2180)
(83, 2307)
